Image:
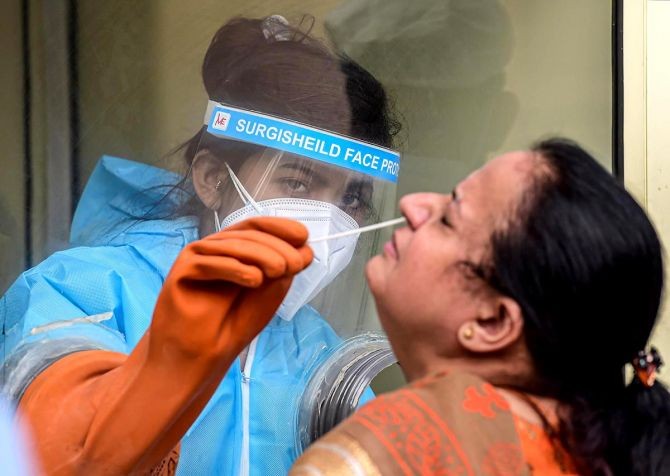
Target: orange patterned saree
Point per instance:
(446, 424)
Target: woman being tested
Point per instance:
(123, 352)
(513, 306)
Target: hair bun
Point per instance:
(275, 67)
(233, 43)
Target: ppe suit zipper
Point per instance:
(246, 376)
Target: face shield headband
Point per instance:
(358, 156)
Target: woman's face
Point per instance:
(422, 288)
(288, 176)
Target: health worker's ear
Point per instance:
(498, 327)
(208, 174)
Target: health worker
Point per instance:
(176, 335)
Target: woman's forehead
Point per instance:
(510, 168)
(499, 184)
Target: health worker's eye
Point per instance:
(351, 200)
(357, 201)
(292, 185)
(357, 206)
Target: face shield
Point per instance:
(331, 183)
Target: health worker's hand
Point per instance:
(224, 289)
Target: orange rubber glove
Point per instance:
(98, 412)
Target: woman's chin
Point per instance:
(374, 273)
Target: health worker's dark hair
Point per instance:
(584, 263)
(274, 68)
(277, 69)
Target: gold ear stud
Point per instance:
(468, 333)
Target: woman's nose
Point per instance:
(418, 207)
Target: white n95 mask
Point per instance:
(320, 219)
(330, 257)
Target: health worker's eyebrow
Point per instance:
(305, 170)
(360, 184)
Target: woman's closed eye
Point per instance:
(451, 207)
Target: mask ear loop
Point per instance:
(244, 195)
(247, 199)
(217, 222)
(268, 170)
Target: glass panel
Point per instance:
(470, 79)
(475, 78)
(657, 140)
(12, 185)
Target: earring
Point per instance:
(218, 185)
(468, 333)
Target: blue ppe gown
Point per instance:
(101, 293)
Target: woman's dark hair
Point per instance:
(270, 67)
(584, 263)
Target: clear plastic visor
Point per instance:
(274, 174)
(291, 160)
(331, 183)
